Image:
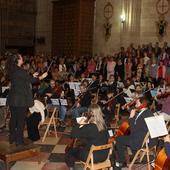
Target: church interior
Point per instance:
(84, 84)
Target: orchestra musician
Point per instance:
(164, 100)
(138, 130)
(92, 130)
(82, 103)
(20, 96)
(56, 91)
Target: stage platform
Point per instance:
(9, 153)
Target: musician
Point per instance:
(82, 103)
(112, 85)
(109, 107)
(38, 113)
(165, 102)
(56, 91)
(138, 130)
(92, 131)
(20, 96)
(94, 84)
(53, 91)
(129, 87)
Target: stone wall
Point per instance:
(44, 26)
(139, 26)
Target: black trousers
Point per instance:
(32, 126)
(16, 124)
(122, 143)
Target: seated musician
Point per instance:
(82, 103)
(164, 100)
(109, 107)
(37, 115)
(56, 91)
(94, 84)
(92, 130)
(138, 130)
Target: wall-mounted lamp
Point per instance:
(122, 18)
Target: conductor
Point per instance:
(20, 96)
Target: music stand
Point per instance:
(3, 101)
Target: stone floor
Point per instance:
(52, 153)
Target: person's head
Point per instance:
(111, 78)
(97, 116)
(138, 89)
(94, 77)
(52, 84)
(141, 103)
(18, 60)
(83, 88)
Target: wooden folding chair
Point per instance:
(89, 164)
(50, 121)
(145, 150)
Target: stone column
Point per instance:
(130, 29)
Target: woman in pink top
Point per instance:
(91, 66)
(110, 67)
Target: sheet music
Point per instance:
(58, 102)
(4, 88)
(156, 126)
(76, 87)
(55, 102)
(128, 99)
(3, 101)
(63, 102)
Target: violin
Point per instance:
(123, 130)
(162, 162)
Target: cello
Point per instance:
(162, 162)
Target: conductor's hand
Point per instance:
(35, 74)
(44, 75)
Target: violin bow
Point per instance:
(50, 66)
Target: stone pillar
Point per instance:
(130, 29)
(44, 26)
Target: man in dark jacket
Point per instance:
(138, 131)
(82, 103)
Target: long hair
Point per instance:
(12, 61)
(97, 116)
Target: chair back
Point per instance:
(90, 159)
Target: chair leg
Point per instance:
(143, 154)
(148, 160)
(134, 159)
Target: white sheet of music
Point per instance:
(76, 87)
(156, 126)
(3, 101)
(63, 102)
(55, 102)
(4, 88)
(128, 99)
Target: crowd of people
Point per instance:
(132, 74)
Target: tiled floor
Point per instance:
(51, 156)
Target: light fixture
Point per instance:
(122, 18)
